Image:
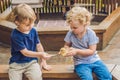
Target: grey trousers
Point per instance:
(31, 70)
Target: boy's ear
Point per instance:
(17, 23)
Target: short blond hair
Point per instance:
(22, 12)
(79, 13)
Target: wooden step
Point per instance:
(61, 72)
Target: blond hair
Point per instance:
(22, 12)
(79, 13)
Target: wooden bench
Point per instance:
(62, 72)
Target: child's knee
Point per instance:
(105, 77)
(108, 77)
(35, 77)
(86, 77)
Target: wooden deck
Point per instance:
(52, 32)
(62, 72)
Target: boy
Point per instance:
(81, 43)
(25, 46)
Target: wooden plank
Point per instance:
(110, 67)
(56, 26)
(60, 71)
(116, 72)
(25, 1)
(3, 71)
(52, 27)
(32, 3)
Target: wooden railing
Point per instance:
(95, 6)
(4, 4)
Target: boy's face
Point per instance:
(77, 27)
(25, 25)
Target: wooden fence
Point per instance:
(4, 4)
(96, 7)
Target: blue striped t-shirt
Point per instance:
(88, 39)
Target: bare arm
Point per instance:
(43, 62)
(40, 54)
(87, 52)
(82, 52)
(29, 53)
(40, 47)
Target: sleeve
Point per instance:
(93, 39)
(67, 37)
(17, 43)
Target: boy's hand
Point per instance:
(72, 52)
(45, 66)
